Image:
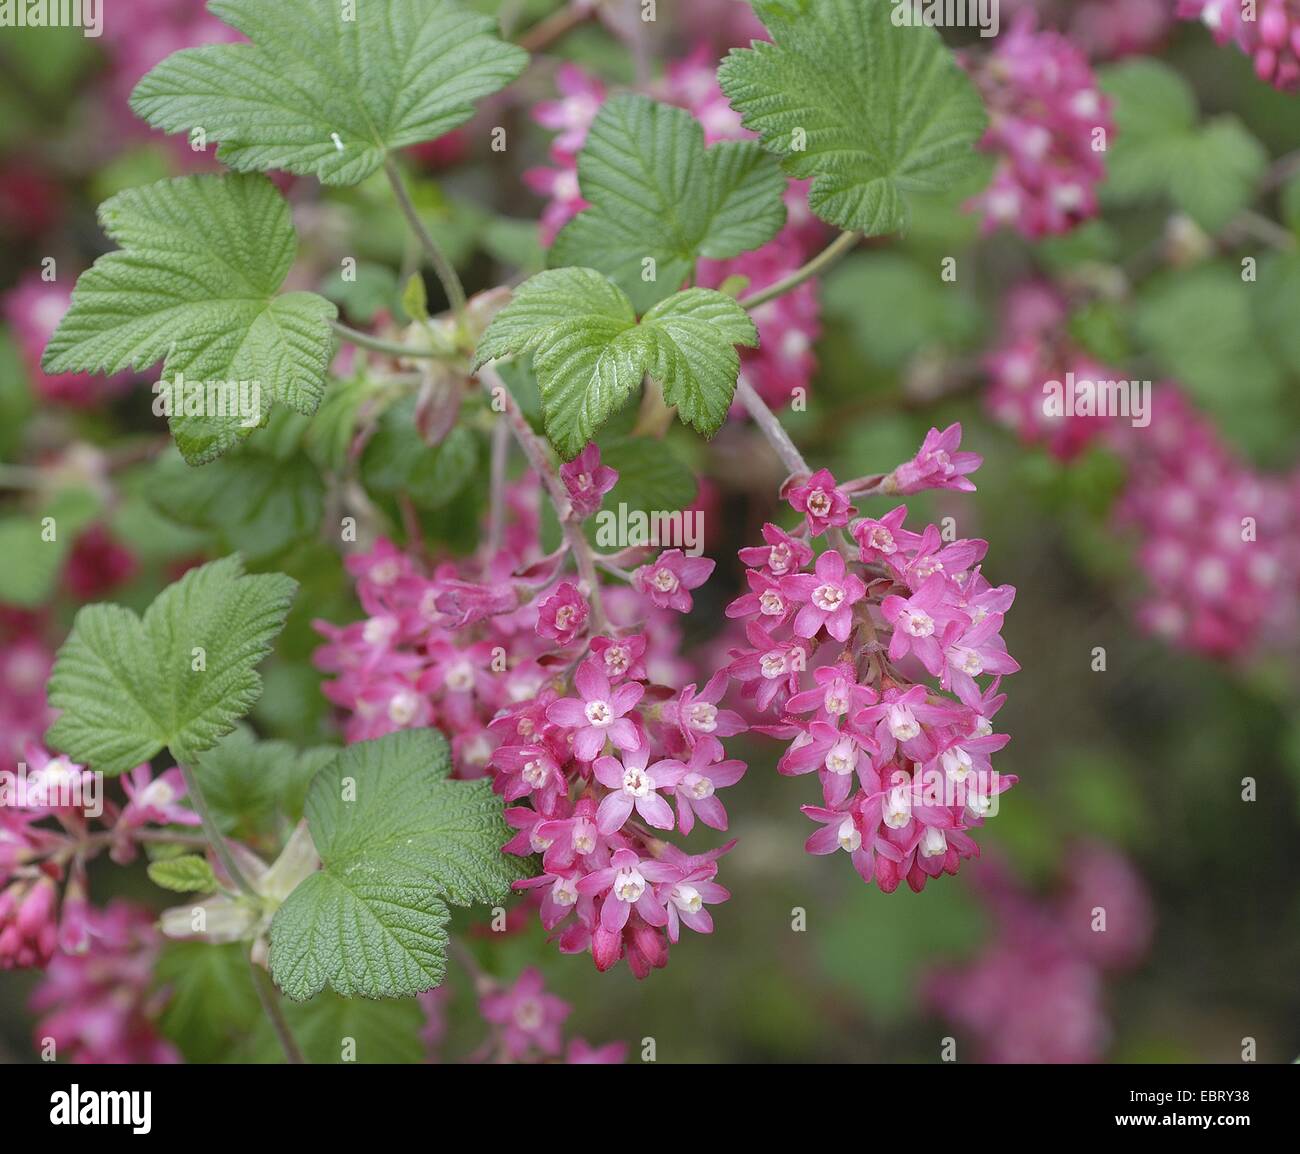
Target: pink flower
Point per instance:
(1270, 37)
(820, 501)
(562, 616)
(632, 784)
(781, 555)
(529, 1018)
(698, 779)
(626, 885)
(599, 714)
(881, 540)
(919, 622)
(580, 1053)
(587, 480)
(827, 597)
(697, 713)
(667, 581)
(937, 465)
(622, 657)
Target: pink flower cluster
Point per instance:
(1045, 113)
(844, 648)
(33, 309)
(53, 819)
(1269, 34)
(100, 1005)
(1033, 350)
(789, 326)
(1219, 543)
(1036, 992)
(585, 738)
(1104, 29)
(527, 1026)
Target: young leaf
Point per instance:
(867, 110)
(398, 841)
(195, 285)
(187, 874)
(328, 89)
(656, 192)
(179, 678)
(589, 353)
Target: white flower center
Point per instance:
(772, 664)
(771, 603)
(460, 677)
(819, 503)
(916, 623)
(828, 597)
(843, 757)
(933, 843)
(600, 714)
(616, 659)
(584, 836)
(629, 885)
(902, 723)
(967, 660)
(778, 559)
(564, 892)
(564, 616)
(402, 707)
(898, 808)
(882, 540)
(704, 716)
(849, 838)
(687, 898)
(665, 580)
(529, 1014)
(158, 794)
(637, 782)
(697, 786)
(956, 763)
(535, 772)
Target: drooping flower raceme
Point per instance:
(844, 653)
(1049, 127)
(1267, 32)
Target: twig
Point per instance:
(497, 507)
(441, 265)
(215, 837)
(379, 345)
(555, 27)
(841, 245)
(270, 999)
(772, 429)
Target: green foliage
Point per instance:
(590, 354)
(657, 192)
(868, 111)
(261, 498)
(319, 93)
(32, 559)
(1160, 152)
(189, 873)
(399, 840)
(255, 789)
(398, 460)
(179, 678)
(195, 285)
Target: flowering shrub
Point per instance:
(480, 448)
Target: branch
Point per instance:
(539, 460)
(841, 245)
(270, 999)
(215, 837)
(772, 429)
(379, 345)
(441, 265)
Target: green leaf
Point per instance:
(194, 285)
(1277, 307)
(589, 353)
(923, 311)
(1210, 171)
(377, 1030)
(32, 560)
(319, 93)
(651, 476)
(868, 111)
(1199, 324)
(259, 499)
(398, 840)
(211, 1003)
(188, 874)
(254, 787)
(127, 687)
(398, 459)
(657, 192)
